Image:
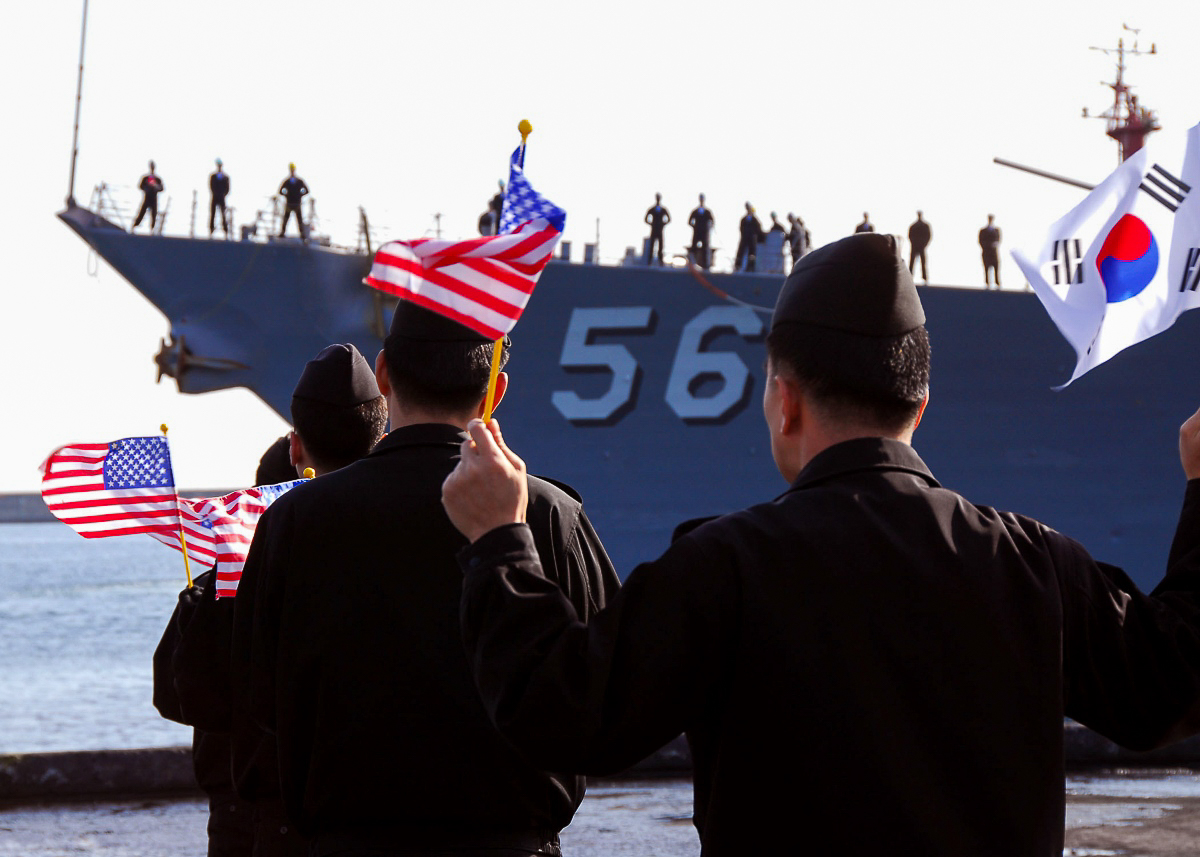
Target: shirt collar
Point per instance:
(421, 434)
(860, 455)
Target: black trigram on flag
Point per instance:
(1165, 188)
(1067, 256)
(1191, 271)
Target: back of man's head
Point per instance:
(337, 409)
(436, 365)
(275, 466)
(849, 326)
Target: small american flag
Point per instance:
(482, 283)
(127, 487)
(112, 489)
(218, 530)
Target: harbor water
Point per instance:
(79, 622)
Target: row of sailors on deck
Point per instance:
(293, 190)
(796, 237)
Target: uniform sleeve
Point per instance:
(583, 570)
(595, 698)
(165, 697)
(254, 648)
(201, 661)
(1132, 661)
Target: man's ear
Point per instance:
(791, 404)
(381, 374)
(295, 449)
(921, 410)
(501, 389)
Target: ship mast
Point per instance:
(78, 101)
(1128, 122)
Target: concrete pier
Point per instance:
(167, 771)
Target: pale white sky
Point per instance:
(409, 109)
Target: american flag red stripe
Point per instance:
(219, 530)
(482, 283)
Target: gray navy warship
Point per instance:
(640, 387)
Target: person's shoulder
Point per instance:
(553, 506)
(545, 490)
(712, 529)
(1021, 530)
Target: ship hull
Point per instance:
(641, 388)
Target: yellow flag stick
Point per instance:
(497, 350)
(187, 565)
(525, 128)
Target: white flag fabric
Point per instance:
(1125, 263)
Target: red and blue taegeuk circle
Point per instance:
(1128, 259)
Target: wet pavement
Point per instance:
(1139, 814)
(625, 818)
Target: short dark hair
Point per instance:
(880, 380)
(442, 377)
(336, 436)
(275, 466)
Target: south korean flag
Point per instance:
(1122, 265)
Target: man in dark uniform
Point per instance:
(347, 649)
(486, 225)
(339, 415)
(751, 233)
(866, 225)
(294, 190)
(150, 186)
(989, 243)
(919, 235)
(797, 237)
(658, 217)
(701, 221)
(496, 206)
(905, 658)
(218, 188)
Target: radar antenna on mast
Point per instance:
(1128, 122)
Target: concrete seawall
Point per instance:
(23, 509)
(110, 774)
(52, 777)
(166, 771)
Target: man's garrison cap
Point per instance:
(856, 285)
(338, 376)
(412, 321)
